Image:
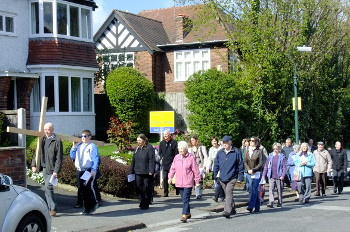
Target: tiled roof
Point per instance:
(168, 18)
(149, 30)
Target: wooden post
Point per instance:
(41, 129)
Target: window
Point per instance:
(87, 93)
(63, 94)
(76, 105)
(74, 94)
(48, 18)
(74, 21)
(85, 24)
(115, 60)
(35, 17)
(188, 62)
(61, 19)
(7, 24)
(50, 93)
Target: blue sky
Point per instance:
(105, 7)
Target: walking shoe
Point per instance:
(317, 194)
(199, 197)
(85, 212)
(165, 195)
(279, 205)
(269, 205)
(249, 209)
(52, 213)
(185, 217)
(215, 199)
(233, 212)
(256, 210)
(334, 191)
(226, 214)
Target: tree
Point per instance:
(264, 35)
(131, 96)
(216, 104)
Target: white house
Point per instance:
(47, 49)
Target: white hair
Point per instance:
(182, 144)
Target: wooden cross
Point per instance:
(40, 133)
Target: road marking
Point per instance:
(333, 208)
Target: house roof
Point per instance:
(90, 3)
(168, 18)
(158, 27)
(149, 31)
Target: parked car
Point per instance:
(21, 210)
(346, 174)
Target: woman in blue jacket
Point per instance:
(304, 163)
(275, 169)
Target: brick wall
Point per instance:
(144, 64)
(61, 51)
(5, 83)
(218, 56)
(24, 89)
(13, 164)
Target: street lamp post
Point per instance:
(295, 77)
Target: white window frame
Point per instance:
(56, 93)
(4, 16)
(125, 59)
(189, 61)
(54, 13)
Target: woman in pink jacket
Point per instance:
(187, 173)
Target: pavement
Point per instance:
(120, 214)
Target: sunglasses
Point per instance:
(85, 136)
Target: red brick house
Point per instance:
(161, 44)
(47, 49)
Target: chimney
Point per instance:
(182, 26)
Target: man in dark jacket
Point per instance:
(339, 168)
(167, 152)
(286, 150)
(230, 164)
(51, 162)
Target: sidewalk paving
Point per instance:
(118, 214)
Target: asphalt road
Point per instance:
(330, 213)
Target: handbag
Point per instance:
(296, 174)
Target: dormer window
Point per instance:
(60, 19)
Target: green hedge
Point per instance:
(131, 96)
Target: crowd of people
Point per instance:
(185, 165)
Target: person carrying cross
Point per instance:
(51, 162)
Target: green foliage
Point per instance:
(114, 178)
(264, 36)
(120, 133)
(216, 105)
(132, 97)
(67, 174)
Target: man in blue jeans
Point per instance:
(230, 164)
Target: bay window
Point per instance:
(70, 94)
(60, 18)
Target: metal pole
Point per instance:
(295, 77)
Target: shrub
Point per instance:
(114, 178)
(68, 172)
(217, 105)
(131, 96)
(120, 134)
